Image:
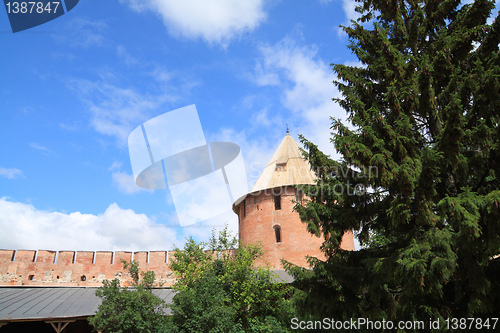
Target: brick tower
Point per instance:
(266, 216)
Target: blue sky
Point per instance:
(74, 88)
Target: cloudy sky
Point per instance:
(74, 88)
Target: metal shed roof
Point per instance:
(44, 303)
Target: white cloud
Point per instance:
(10, 173)
(122, 53)
(83, 33)
(264, 119)
(306, 88)
(116, 111)
(349, 7)
(215, 21)
(43, 149)
(115, 166)
(203, 230)
(126, 183)
(25, 227)
(265, 78)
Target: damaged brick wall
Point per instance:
(78, 268)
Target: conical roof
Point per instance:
(286, 167)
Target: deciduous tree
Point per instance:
(130, 310)
(220, 290)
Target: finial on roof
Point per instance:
(287, 131)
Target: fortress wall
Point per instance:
(85, 257)
(155, 261)
(77, 268)
(6, 255)
(141, 258)
(65, 258)
(127, 256)
(25, 255)
(157, 258)
(104, 258)
(46, 257)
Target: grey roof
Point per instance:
(281, 276)
(45, 303)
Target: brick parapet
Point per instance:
(78, 268)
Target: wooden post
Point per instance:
(59, 326)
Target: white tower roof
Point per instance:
(286, 167)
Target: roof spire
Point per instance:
(287, 131)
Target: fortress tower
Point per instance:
(266, 216)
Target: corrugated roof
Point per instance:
(286, 167)
(44, 303)
(282, 276)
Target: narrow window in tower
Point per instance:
(244, 208)
(256, 198)
(256, 201)
(298, 195)
(277, 202)
(277, 233)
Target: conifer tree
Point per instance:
(420, 167)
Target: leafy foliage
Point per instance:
(419, 177)
(130, 310)
(221, 291)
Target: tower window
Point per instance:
(277, 233)
(244, 208)
(277, 202)
(256, 199)
(281, 167)
(83, 278)
(298, 195)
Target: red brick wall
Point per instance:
(258, 216)
(59, 268)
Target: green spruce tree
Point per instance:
(419, 174)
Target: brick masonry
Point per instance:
(77, 268)
(258, 218)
